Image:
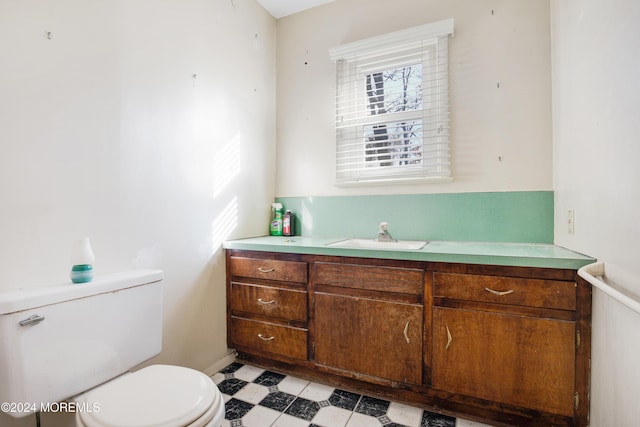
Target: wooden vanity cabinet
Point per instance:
(267, 306)
(368, 320)
(512, 340)
(507, 346)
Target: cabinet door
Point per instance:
(510, 359)
(371, 337)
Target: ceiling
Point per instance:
(280, 8)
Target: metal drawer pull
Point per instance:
(265, 270)
(33, 320)
(449, 339)
(406, 328)
(263, 338)
(499, 293)
(263, 302)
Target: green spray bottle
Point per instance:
(275, 228)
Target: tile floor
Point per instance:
(255, 397)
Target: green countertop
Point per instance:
(490, 253)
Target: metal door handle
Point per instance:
(499, 293)
(449, 339)
(263, 338)
(406, 329)
(33, 320)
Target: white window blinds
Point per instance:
(392, 106)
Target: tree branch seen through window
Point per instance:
(388, 92)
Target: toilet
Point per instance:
(158, 395)
(81, 343)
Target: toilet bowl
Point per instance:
(155, 396)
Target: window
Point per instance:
(392, 107)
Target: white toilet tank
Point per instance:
(58, 341)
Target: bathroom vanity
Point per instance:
(506, 342)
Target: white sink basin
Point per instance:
(400, 245)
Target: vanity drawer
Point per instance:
(263, 337)
(288, 304)
(375, 278)
(553, 294)
(270, 269)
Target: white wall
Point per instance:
(496, 41)
(105, 132)
(596, 100)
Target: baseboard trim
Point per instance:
(217, 366)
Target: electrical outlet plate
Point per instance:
(571, 219)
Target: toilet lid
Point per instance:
(155, 396)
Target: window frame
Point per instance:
(427, 45)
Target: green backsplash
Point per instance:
(520, 216)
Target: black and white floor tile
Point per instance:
(255, 397)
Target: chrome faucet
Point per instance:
(383, 233)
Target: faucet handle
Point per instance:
(384, 226)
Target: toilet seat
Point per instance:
(155, 396)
